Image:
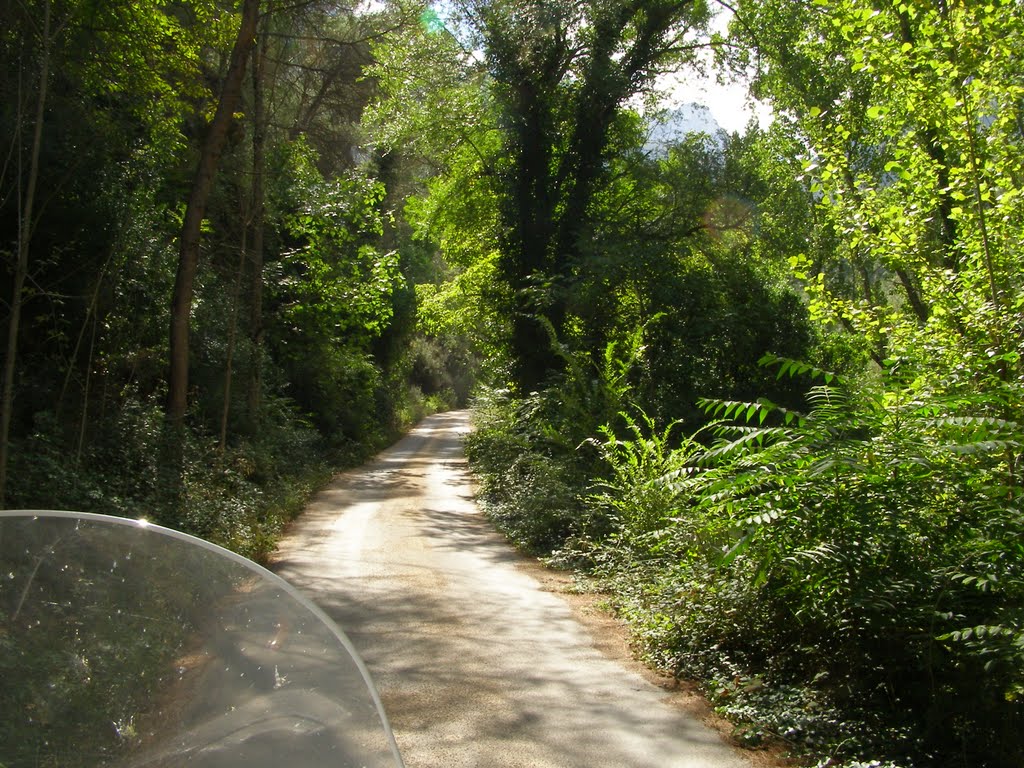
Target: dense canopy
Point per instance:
(765, 388)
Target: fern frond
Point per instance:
(754, 439)
(983, 446)
(823, 552)
(789, 367)
(826, 398)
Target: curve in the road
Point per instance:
(477, 664)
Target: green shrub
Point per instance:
(240, 498)
(855, 572)
(640, 497)
(528, 480)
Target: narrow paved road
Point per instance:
(477, 664)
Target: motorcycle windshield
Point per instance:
(127, 644)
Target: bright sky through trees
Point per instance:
(730, 103)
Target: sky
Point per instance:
(730, 105)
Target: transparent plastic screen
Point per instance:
(126, 644)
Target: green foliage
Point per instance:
(912, 122)
(680, 238)
(333, 281)
(854, 568)
(301, 295)
(530, 452)
(334, 298)
(851, 566)
(239, 499)
(433, 99)
(729, 313)
(467, 298)
(528, 482)
(339, 388)
(558, 100)
(562, 236)
(640, 497)
(594, 391)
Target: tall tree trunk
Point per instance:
(259, 136)
(83, 421)
(236, 291)
(21, 266)
(90, 317)
(188, 255)
(921, 309)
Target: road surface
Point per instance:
(477, 663)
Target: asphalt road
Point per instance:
(478, 663)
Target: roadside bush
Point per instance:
(849, 579)
(528, 475)
(240, 498)
(338, 388)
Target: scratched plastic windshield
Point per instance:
(126, 644)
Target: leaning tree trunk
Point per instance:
(259, 136)
(236, 291)
(188, 255)
(21, 266)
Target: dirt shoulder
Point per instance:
(613, 638)
(482, 656)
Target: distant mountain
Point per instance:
(672, 126)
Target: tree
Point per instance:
(568, 239)
(909, 115)
(536, 146)
(106, 127)
(26, 224)
(562, 72)
(910, 119)
(188, 258)
(259, 209)
(129, 101)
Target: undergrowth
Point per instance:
(847, 579)
(240, 497)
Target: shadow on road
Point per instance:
(477, 664)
